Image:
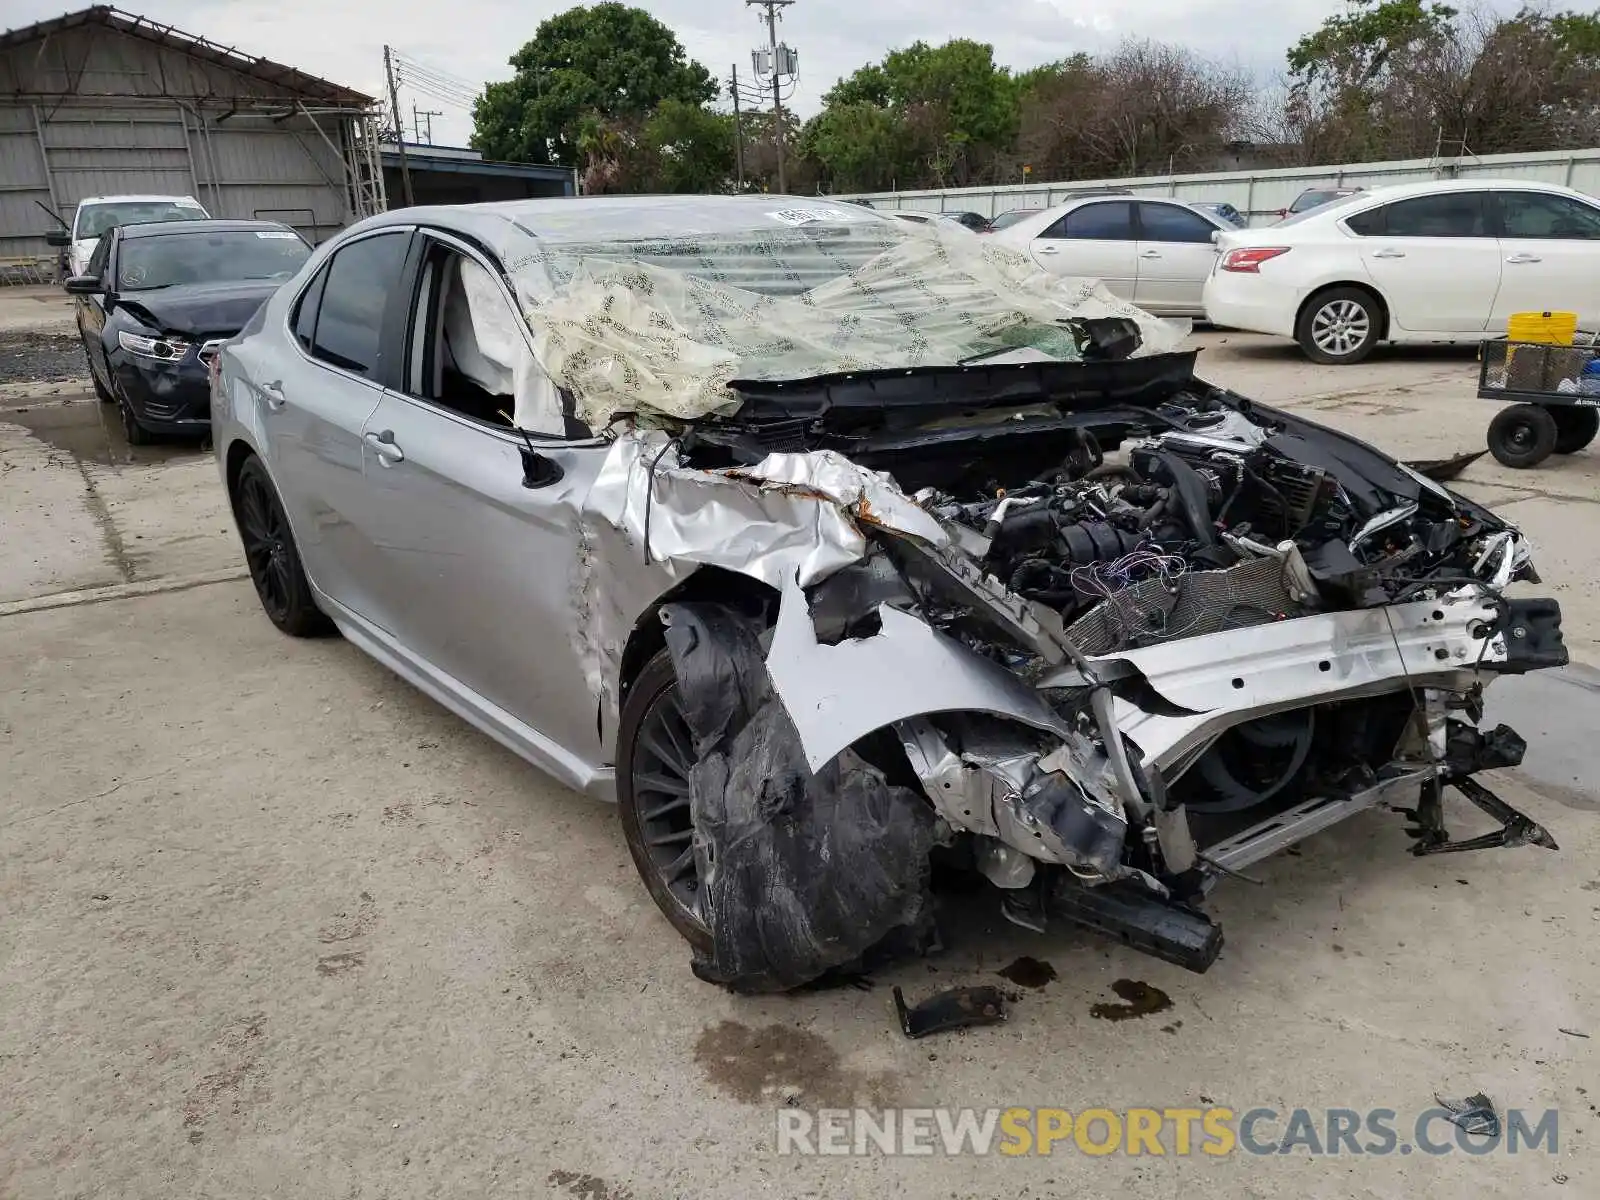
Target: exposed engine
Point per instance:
(1215, 491)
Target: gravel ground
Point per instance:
(34, 356)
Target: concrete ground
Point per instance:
(272, 923)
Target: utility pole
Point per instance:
(416, 122)
(772, 7)
(399, 127)
(738, 130)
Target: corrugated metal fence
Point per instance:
(1259, 194)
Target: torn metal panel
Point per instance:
(869, 496)
(839, 694)
(1007, 784)
(1227, 678)
(794, 516)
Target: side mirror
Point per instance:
(85, 285)
(58, 237)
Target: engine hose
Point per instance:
(1234, 796)
(1151, 514)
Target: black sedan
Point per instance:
(158, 299)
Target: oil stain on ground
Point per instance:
(587, 1187)
(1138, 1000)
(1029, 972)
(779, 1064)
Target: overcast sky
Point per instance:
(342, 40)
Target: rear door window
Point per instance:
(1540, 215)
(359, 281)
(1109, 221)
(1169, 223)
(1448, 215)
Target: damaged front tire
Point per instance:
(655, 754)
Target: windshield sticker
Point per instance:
(804, 216)
(185, 202)
(274, 233)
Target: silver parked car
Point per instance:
(831, 544)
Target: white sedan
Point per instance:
(1422, 262)
(1155, 253)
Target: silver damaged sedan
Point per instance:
(835, 548)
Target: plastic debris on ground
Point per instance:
(800, 873)
(958, 1008)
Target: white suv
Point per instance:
(97, 214)
(1421, 262)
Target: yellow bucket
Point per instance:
(1550, 328)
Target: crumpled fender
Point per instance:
(838, 694)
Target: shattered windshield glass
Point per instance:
(643, 310)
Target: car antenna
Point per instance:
(530, 456)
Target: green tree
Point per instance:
(925, 115)
(1405, 78)
(690, 147)
(608, 62)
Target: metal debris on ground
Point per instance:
(957, 1008)
(1475, 1114)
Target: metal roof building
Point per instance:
(457, 175)
(102, 102)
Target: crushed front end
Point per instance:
(1120, 676)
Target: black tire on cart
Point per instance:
(1522, 436)
(1576, 427)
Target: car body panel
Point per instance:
(1434, 289)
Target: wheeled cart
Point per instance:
(1554, 395)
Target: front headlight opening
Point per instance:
(158, 348)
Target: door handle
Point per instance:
(1524, 258)
(1151, 254)
(383, 446)
(1048, 250)
(1389, 253)
(273, 394)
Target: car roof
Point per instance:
(218, 225)
(135, 199)
(561, 217)
(1428, 187)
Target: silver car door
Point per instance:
(315, 402)
(478, 530)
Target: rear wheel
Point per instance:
(655, 754)
(1523, 435)
(1575, 427)
(1340, 326)
(269, 550)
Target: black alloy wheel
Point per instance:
(269, 551)
(655, 756)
